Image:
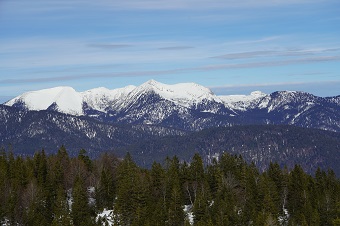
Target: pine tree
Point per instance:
(175, 214)
(196, 171)
(3, 182)
(202, 204)
(62, 215)
(34, 203)
(213, 174)
(158, 195)
(175, 209)
(82, 156)
(106, 186)
(127, 176)
(81, 211)
(297, 195)
(276, 176)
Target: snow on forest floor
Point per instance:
(106, 217)
(188, 212)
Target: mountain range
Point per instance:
(155, 120)
(186, 106)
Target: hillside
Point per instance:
(261, 144)
(28, 131)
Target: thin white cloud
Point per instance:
(276, 63)
(254, 41)
(199, 4)
(37, 52)
(110, 46)
(243, 55)
(176, 47)
(37, 6)
(173, 71)
(264, 53)
(227, 86)
(308, 74)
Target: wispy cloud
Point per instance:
(302, 52)
(110, 46)
(215, 67)
(116, 5)
(199, 4)
(308, 74)
(176, 48)
(254, 41)
(268, 84)
(266, 53)
(271, 63)
(242, 55)
(90, 75)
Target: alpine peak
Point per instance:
(189, 105)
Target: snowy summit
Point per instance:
(67, 100)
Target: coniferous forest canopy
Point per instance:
(62, 190)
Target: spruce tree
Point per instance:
(175, 209)
(62, 215)
(81, 211)
(125, 204)
(297, 195)
(175, 212)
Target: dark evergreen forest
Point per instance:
(62, 190)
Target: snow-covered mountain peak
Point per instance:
(64, 98)
(69, 101)
(150, 85)
(184, 94)
(152, 82)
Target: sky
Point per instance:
(229, 46)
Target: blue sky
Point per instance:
(230, 46)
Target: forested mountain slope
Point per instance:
(28, 131)
(261, 144)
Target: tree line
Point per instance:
(62, 190)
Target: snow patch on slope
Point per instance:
(242, 102)
(102, 98)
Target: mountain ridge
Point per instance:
(187, 106)
(179, 92)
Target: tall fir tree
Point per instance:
(62, 215)
(82, 213)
